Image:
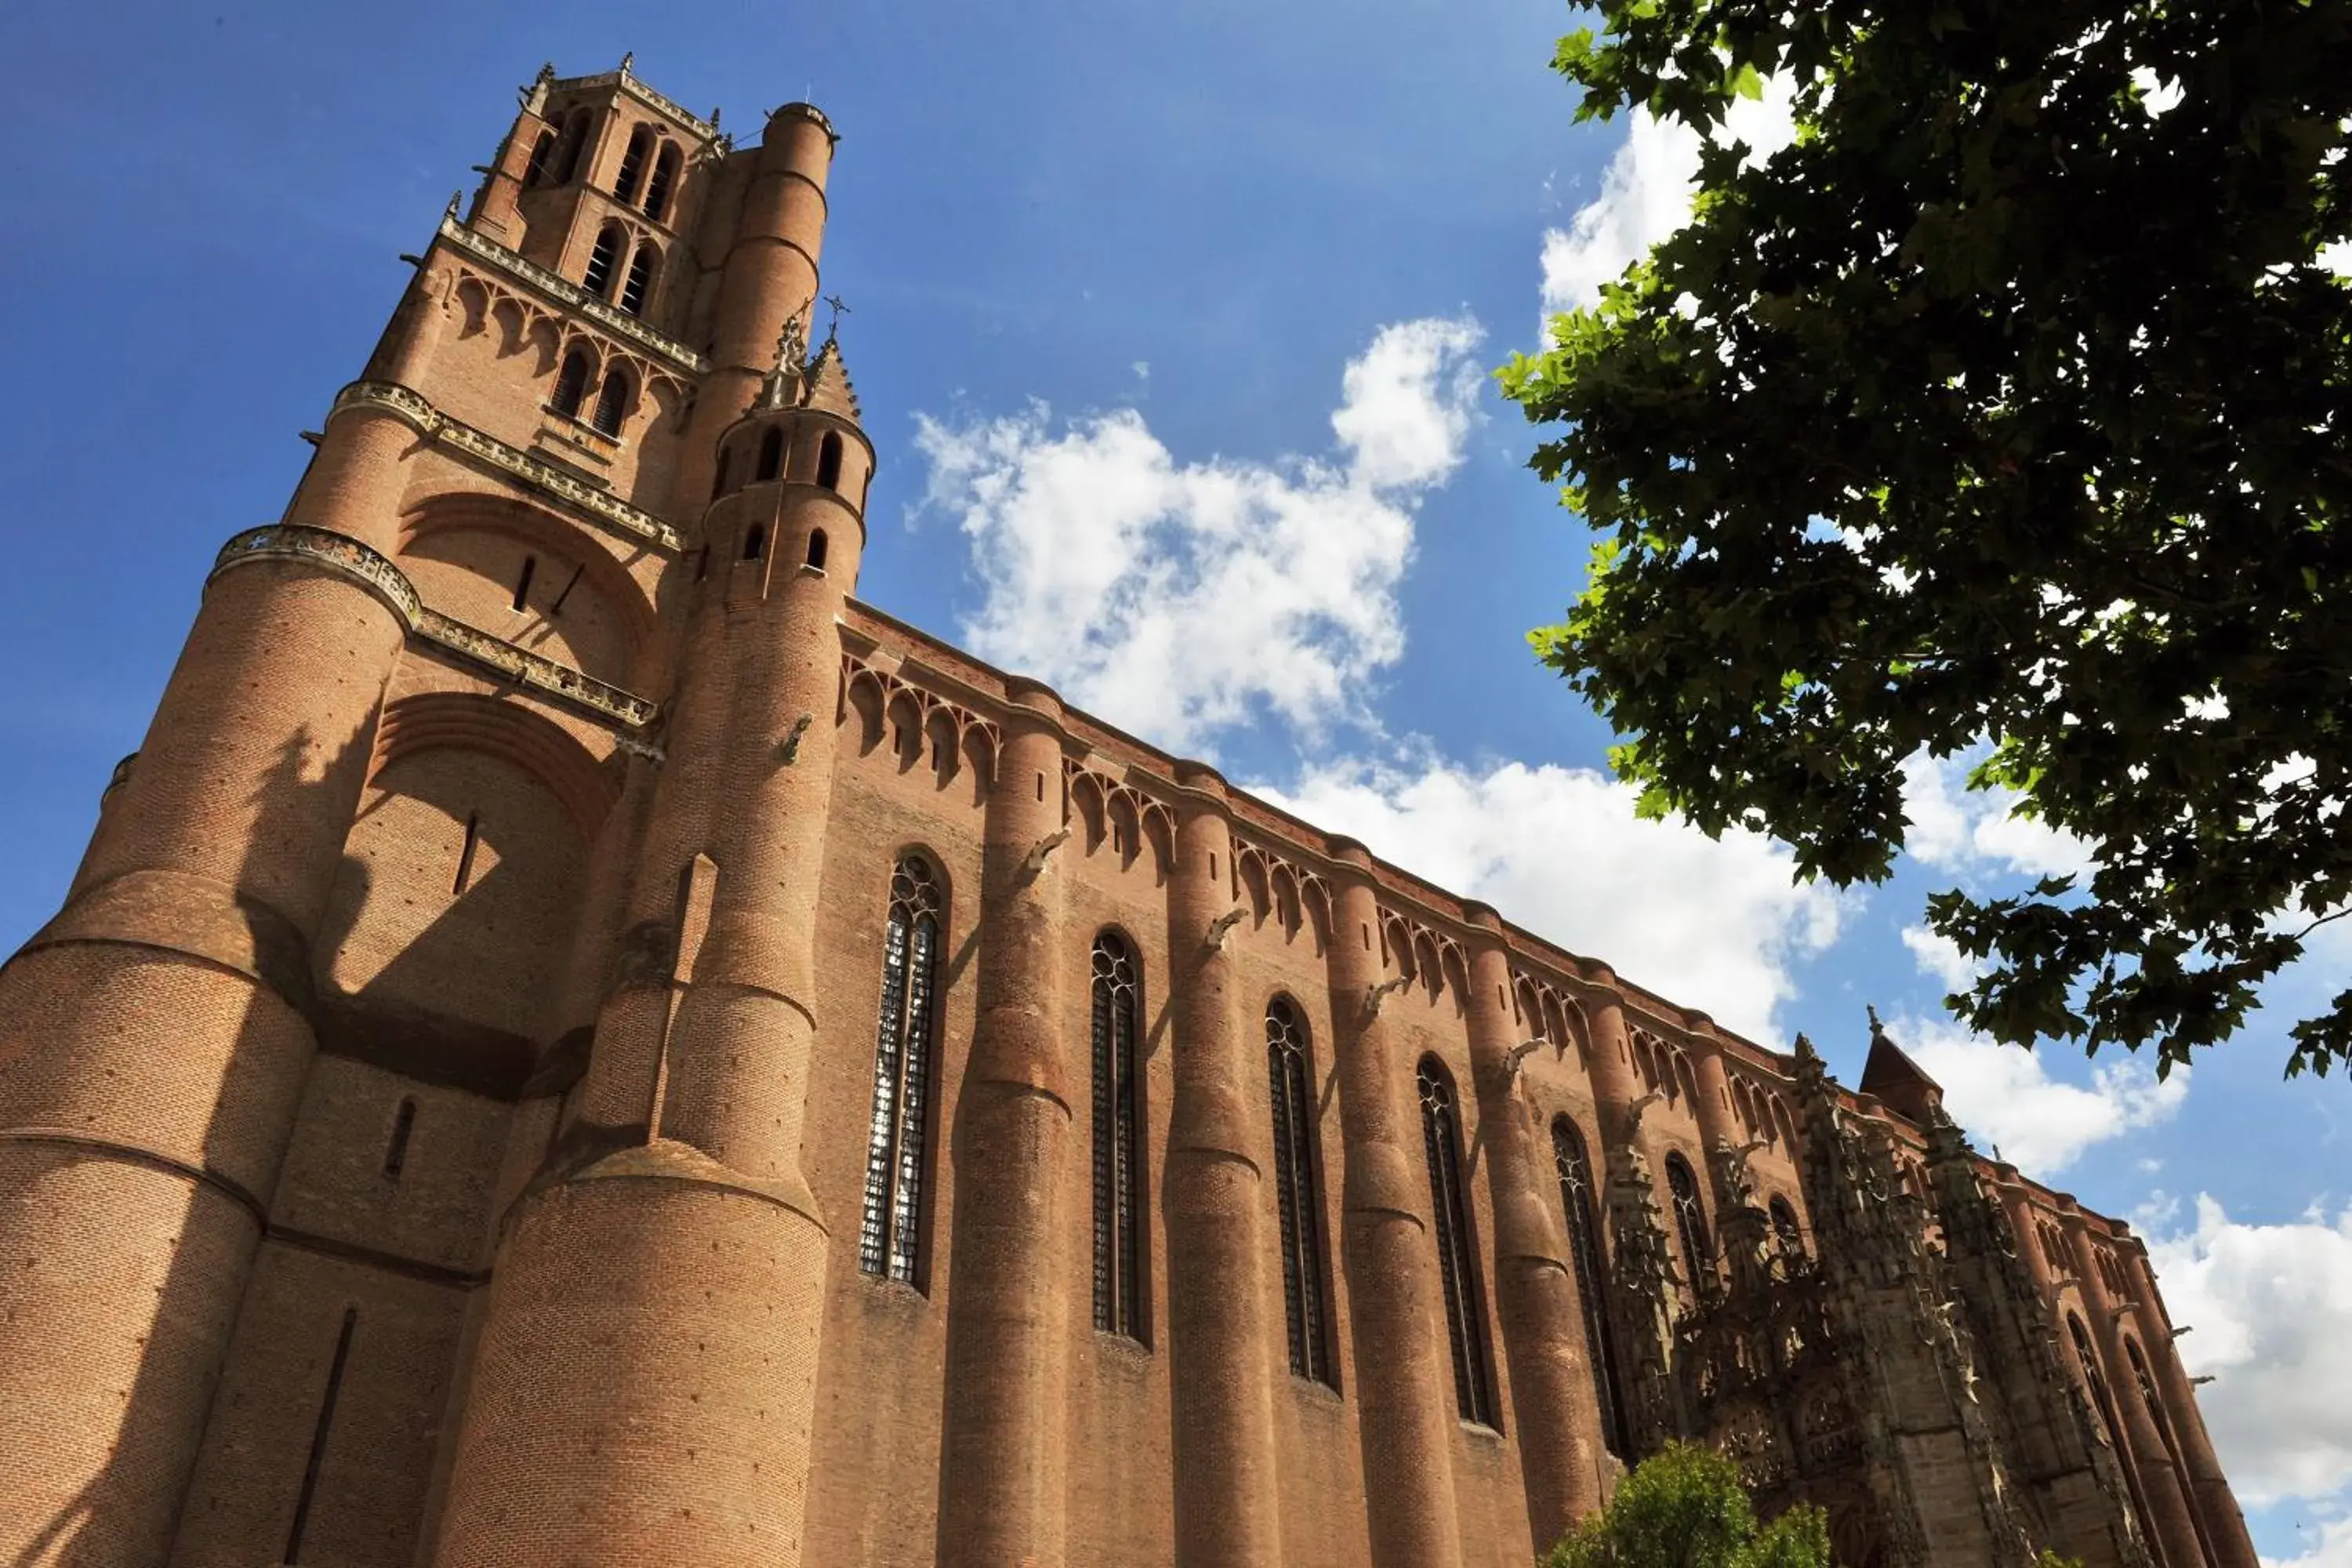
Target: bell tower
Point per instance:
(399, 1123)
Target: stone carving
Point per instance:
(562, 290)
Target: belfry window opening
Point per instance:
(665, 180)
(772, 456)
(816, 557)
(828, 461)
(572, 383)
(612, 402)
(541, 150)
(602, 259)
(632, 164)
(639, 285)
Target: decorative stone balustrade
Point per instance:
(348, 556)
(563, 291)
(596, 505)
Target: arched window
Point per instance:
(638, 287)
(718, 475)
(612, 402)
(633, 163)
(771, 455)
(889, 1236)
(540, 151)
(665, 180)
(755, 542)
(601, 261)
(1690, 1223)
(1786, 1237)
(575, 142)
(1118, 1138)
(2105, 1403)
(1296, 1192)
(828, 461)
(816, 548)
(572, 383)
(1576, 1189)
(1458, 1265)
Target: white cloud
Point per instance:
(2330, 1547)
(1177, 599)
(1645, 195)
(1964, 831)
(1712, 923)
(2272, 1307)
(1940, 958)
(2004, 1095)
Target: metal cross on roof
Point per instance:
(833, 328)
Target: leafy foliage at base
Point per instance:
(2009, 407)
(1683, 1508)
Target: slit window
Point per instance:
(522, 581)
(1298, 1193)
(395, 1151)
(1118, 1143)
(1457, 1265)
(465, 852)
(665, 180)
(1574, 1167)
(639, 285)
(572, 383)
(828, 461)
(633, 163)
(755, 542)
(310, 1488)
(889, 1236)
(603, 257)
(816, 548)
(613, 401)
(772, 456)
(718, 475)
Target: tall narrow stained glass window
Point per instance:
(1465, 1315)
(1290, 1084)
(1569, 1158)
(1690, 1224)
(890, 1234)
(1118, 1138)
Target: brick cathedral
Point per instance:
(577, 1042)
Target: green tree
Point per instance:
(2007, 408)
(1683, 1508)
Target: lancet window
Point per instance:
(613, 401)
(1290, 1080)
(772, 456)
(665, 180)
(889, 1236)
(1119, 1137)
(828, 461)
(602, 259)
(1458, 1265)
(1575, 1190)
(633, 163)
(1690, 1223)
(572, 383)
(638, 287)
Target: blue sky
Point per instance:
(1114, 269)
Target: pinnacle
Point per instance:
(829, 390)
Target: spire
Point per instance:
(1895, 1079)
(829, 391)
